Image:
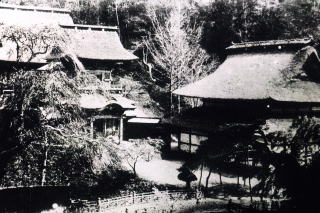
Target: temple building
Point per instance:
(258, 81)
(27, 16)
(101, 53)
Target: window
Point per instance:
(107, 76)
(185, 147)
(102, 75)
(174, 145)
(188, 142)
(184, 137)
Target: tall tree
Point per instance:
(174, 47)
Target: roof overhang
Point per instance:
(89, 27)
(144, 120)
(11, 66)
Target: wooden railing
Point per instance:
(6, 90)
(128, 200)
(107, 86)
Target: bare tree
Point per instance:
(174, 46)
(137, 150)
(30, 42)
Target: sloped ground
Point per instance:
(138, 92)
(188, 206)
(174, 206)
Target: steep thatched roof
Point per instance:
(98, 43)
(281, 75)
(25, 15)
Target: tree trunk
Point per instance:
(188, 184)
(2, 169)
(179, 104)
(201, 170)
(208, 177)
(171, 95)
(134, 170)
(305, 153)
(220, 178)
(44, 170)
(250, 189)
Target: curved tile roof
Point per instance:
(99, 102)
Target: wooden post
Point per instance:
(179, 140)
(99, 204)
(250, 188)
(91, 128)
(179, 104)
(133, 195)
(190, 141)
(105, 127)
(201, 170)
(121, 129)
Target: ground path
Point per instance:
(165, 172)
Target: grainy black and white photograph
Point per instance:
(159, 106)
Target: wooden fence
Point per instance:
(131, 199)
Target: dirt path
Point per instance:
(165, 172)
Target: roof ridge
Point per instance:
(249, 44)
(33, 8)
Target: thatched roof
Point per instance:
(98, 43)
(91, 42)
(25, 15)
(281, 75)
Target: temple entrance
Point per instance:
(108, 122)
(111, 127)
(108, 126)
